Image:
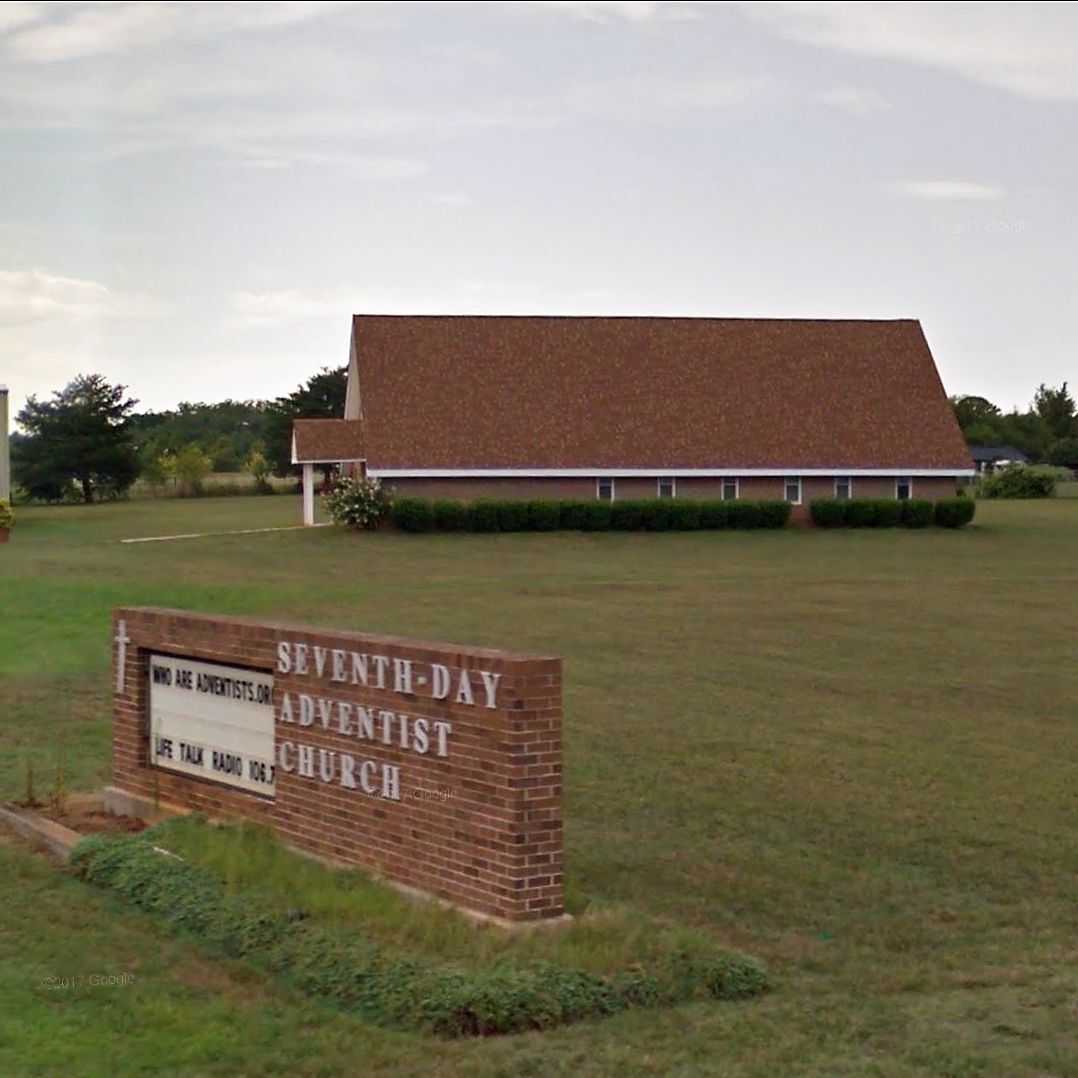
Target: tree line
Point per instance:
(1047, 431)
(89, 442)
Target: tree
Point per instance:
(190, 466)
(259, 467)
(1056, 408)
(322, 397)
(1064, 453)
(979, 419)
(80, 439)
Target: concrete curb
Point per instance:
(54, 837)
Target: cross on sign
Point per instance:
(122, 640)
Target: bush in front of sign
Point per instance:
(7, 519)
(358, 502)
(385, 983)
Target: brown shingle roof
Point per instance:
(549, 393)
(326, 440)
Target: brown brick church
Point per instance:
(465, 406)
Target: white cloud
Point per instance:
(31, 296)
(452, 198)
(857, 100)
(954, 190)
(1028, 49)
(655, 98)
(109, 29)
(606, 13)
(13, 15)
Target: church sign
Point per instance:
(434, 765)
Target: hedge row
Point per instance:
(393, 989)
(888, 513)
(653, 514)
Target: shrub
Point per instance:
(449, 516)
(888, 512)
(861, 512)
(828, 512)
(512, 516)
(597, 516)
(571, 514)
(1019, 481)
(7, 517)
(383, 985)
(543, 516)
(357, 502)
(655, 513)
(714, 513)
(916, 513)
(413, 515)
(483, 515)
(774, 514)
(257, 463)
(684, 514)
(627, 516)
(191, 465)
(954, 512)
(743, 514)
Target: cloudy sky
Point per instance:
(196, 197)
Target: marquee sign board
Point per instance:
(435, 765)
(212, 721)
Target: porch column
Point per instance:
(308, 494)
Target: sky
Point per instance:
(196, 197)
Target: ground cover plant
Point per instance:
(350, 962)
(847, 751)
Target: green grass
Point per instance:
(603, 938)
(850, 753)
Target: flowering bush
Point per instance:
(358, 502)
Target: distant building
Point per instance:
(5, 448)
(463, 406)
(989, 458)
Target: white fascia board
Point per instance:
(359, 460)
(649, 473)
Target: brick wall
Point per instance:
(750, 487)
(480, 826)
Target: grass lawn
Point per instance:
(849, 753)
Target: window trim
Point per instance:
(787, 480)
(672, 480)
(849, 487)
(599, 480)
(908, 480)
(736, 480)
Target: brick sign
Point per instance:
(436, 766)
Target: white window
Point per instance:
(729, 488)
(667, 487)
(604, 489)
(843, 487)
(793, 489)
(903, 487)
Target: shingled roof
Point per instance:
(321, 441)
(550, 393)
